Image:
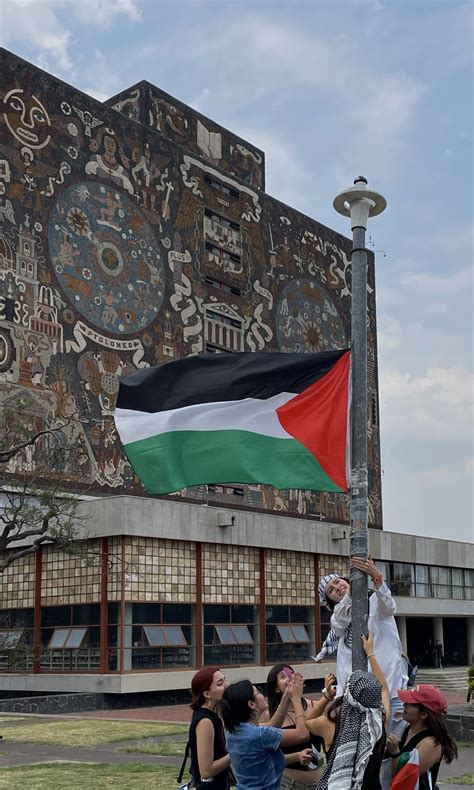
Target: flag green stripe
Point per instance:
(171, 461)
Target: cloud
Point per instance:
(434, 501)
(437, 405)
(46, 25)
(285, 177)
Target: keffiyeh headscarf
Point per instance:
(322, 588)
(360, 727)
(331, 643)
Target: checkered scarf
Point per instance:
(331, 643)
(360, 727)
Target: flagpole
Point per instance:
(359, 203)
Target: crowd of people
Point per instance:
(368, 731)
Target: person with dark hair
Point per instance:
(327, 723)
(209, 758)
(424, 709)
(296, 775)
(355, 757)
(257, 759)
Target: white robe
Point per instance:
(382, 626)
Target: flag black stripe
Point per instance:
(222, 377)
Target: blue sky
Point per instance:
(330, 89)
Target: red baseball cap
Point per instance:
(428, 696)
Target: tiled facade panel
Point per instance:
(330, 563)
(17, 588)
(114, 569)
(158, 570)
(124, 245)
(71, 579)
(289, 577)
(230, 574)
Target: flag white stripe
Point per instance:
(250, 414)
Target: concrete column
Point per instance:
(402, 631)
(470, 640)
(438, 629)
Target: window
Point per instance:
(158, 636)
(290, 633)
(67, 638)
(403, 575)
(230, 634)
(228, 261)
(161, 636)
(222, 286)
(457, 581)
(70, 638)
(441, 581)
(214, 217)
(221, 187)
(295, 633)
(234, 635)
(422, 576)
(224, 232)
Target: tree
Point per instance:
(37, 456)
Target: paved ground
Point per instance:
(181, 713)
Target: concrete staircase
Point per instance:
(449, 679)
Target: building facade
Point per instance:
(134, 232)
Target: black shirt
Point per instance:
(412, 744)
(219, 781)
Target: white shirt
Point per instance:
(382, 626)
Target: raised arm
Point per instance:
(293, 737)
(329, 692)
(280, 714)
(386, 606)
(368, 643)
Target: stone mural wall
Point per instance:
(122, 246)
(199, 135)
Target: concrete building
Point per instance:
(134, 232)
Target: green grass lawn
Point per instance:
(77, 776)
(11, 718)
(90, 732)
(463, 779)
(171, 749)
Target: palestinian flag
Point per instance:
(408, 774)
(280, 419)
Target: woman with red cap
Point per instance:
(424, 708)
(209, 759)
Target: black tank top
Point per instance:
(313, 740)
(219, 781)
(412, 744)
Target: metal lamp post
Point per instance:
(359, 203)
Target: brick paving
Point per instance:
(182, 713)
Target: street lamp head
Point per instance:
(359, 203)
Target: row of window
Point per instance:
(428, 581)
(156, 636)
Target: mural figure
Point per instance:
(108, 162)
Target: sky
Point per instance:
(331, 89)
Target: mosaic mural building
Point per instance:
(133, 232)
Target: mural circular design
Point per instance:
(106, 258)
(307, 319)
